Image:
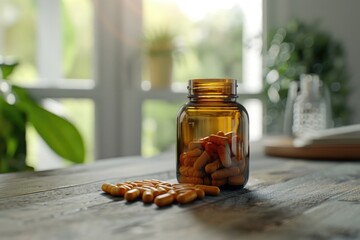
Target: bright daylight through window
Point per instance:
(54, 43)
(207, 39)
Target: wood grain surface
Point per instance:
(284, 199)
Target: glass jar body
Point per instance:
(213, 142)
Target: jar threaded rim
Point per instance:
(212, 87)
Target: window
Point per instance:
(212, 39)
(87, 57)
(52, 41)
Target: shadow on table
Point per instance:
(242, 211)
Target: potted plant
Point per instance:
(301, 48)
(17, 109)
(159, 49)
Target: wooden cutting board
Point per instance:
(283, 147)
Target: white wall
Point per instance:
(341, 18)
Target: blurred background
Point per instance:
(118, 69)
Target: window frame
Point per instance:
(116, 85)
(116, 73)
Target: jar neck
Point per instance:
(221, 89)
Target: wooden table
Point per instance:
(284, 199)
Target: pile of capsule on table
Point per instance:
(159, 192)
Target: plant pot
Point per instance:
(160, 70)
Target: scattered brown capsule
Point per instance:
(159, 192)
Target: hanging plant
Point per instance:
(301, 48)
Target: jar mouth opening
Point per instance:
(212, 87)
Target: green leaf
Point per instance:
(60, 134)
(7, 68)
(12, 114)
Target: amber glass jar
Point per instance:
(213, 135)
